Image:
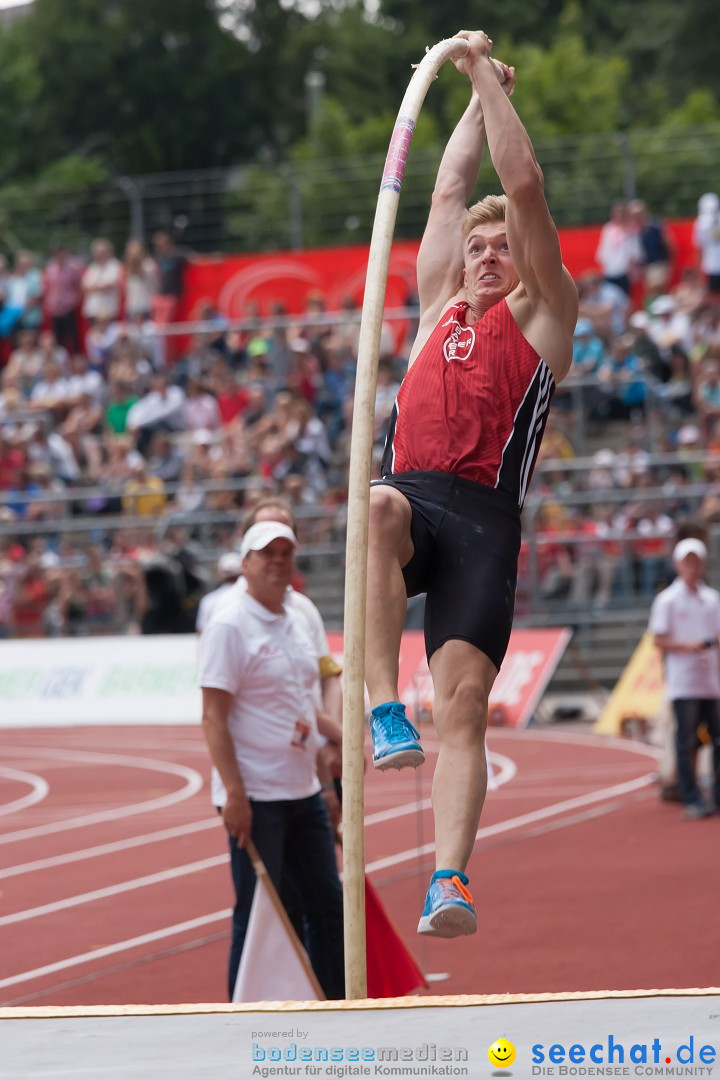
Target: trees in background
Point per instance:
(104, 88)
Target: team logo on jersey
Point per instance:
(459, 344)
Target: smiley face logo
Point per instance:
(501, 1053)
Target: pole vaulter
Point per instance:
(358, 509)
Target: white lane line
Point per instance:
(507, 770)
(505, 765)
(119, 946)
(39, 791)
(379, 864)
(110, 849)
(524, 819)
(114, 890)
(193, 784)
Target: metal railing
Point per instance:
(250, 208)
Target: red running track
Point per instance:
(115, 889)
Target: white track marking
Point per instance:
(110, 849)
(509, 825)
(119, 946)
(507, 768)
(39, 791)
(525, 819)
(193, 784)
(114, 890)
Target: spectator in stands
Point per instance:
(677, 390)
(657, 246)
(160, 409)
(140, 282)
(707, 397)
(613, 571)
(200, 409)
(589, 355)
(26, 362)
(82, 428)
(11, 398)
(29, 290)
(690, 293)
(231, 395)
(191, 493)
(621, 381)
(52, 391)
(101, 284)
(604, 303)
(619, 253)
(143, 494)
(12, 294)
(307, 435)
(646, 349)
(705, 332)
(120, 399)
(30, 600)
(171, 264)
(668, 326)
(63, 294)
(651, 549)
(166, 458)
(101, 608)
(706, 238)
(689, 447)
(385, 395)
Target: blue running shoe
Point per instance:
(449, 911)
(395, 740)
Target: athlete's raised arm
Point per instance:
(531, 232)
(440, 259)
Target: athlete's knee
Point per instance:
(389, 517)
(465, 710)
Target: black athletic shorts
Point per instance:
(467, 541)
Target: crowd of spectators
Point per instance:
(128, 455)
(646, 354)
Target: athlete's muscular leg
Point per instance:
(389, 549)
(462, 678)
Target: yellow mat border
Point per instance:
(462, 1001)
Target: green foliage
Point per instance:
(300, 98)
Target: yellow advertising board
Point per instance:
(639, 691)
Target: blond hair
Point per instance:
(489, 210)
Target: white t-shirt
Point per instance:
(208, 603)
(706, 237)
(105, 304)
(687, 616)
(267, 662)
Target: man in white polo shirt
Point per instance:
(259, 674)
(685, 622)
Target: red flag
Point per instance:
(392, 970)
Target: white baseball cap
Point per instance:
(690, 546)
(263, 533)
(230, 564)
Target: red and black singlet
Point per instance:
(473, 404)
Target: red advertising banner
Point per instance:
(529, 664)
(233, 282)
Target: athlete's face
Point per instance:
(489, 273)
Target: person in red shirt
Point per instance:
(497, 315)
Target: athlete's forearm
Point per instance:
(460, 163)
(509, 144)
